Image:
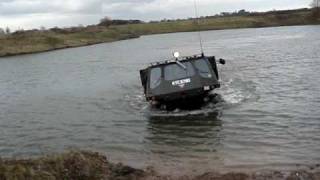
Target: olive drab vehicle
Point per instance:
(180, 82)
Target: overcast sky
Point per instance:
(29, 14)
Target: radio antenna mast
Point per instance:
(198, 26)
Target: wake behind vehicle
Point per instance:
(180, 83)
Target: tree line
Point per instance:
(107, 21)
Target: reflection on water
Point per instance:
(91, 98)
(181, 133)
(174, 138)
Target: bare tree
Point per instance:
(315, 4)
(315, 13)
(42, 28)
(106, 21)
(8, 31)
(2, 32)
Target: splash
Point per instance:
(236, 91)
(232, 93)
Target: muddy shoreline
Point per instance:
(90, 165)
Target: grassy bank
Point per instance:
(40, 41)
(270, 19)
(94, 166)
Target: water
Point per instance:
(91, 98)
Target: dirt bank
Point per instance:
(94, 166)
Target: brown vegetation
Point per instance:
(94, 166)
(31, 41)
(71, 166)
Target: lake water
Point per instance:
(91, 98)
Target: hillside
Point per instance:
(32, 41)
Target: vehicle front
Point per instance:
(190, 78)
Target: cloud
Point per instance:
(35, 13)
(15, 7)
(159, 9)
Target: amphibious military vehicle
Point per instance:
(181, 82)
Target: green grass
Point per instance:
(218, 23)
(30, 42)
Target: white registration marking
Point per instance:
(180, 82)
(206, 88)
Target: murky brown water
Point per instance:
(90, 98)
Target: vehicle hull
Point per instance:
(185, 92)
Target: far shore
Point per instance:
(35, 41)
(9, 54)
(94, 166)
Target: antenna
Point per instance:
(198, 25)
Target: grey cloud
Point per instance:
(16, 7)
(64, 12)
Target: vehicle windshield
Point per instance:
(155, 77)
(177, 71)
(203, 68)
